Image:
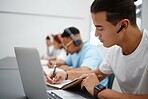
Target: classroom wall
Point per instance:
(144, 14)
(27, 22)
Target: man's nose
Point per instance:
(97, 34)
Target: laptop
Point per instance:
(33, 79)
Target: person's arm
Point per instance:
(67, 68)
(83, 74)
(83, 68)
(91, 81)
(111, 94)
(49, 57)
(58, 62)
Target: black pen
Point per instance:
(49, 61)
(54, 71)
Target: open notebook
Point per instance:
(66, 83)
(44, 62)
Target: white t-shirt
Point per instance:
(131, 71)
(61, 54)
(51, 51)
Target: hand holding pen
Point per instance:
(55, 77)
(51, 77)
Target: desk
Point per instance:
(11, 84)
(8, 63)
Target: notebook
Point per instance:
(66, 83)
(44, 62)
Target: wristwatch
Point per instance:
(97, 89)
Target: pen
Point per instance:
(54, 71)
(49, 61)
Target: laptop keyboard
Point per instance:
(52, 95)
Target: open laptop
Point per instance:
(33, 79)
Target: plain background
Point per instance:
(27, 22)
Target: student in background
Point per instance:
(82, 55)
(51, 51)
(61, 54)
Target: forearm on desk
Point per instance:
(59, 62)
(100, 75)
(83, 68)
(110, 94)
(51, 57)
(77, 74)
(67, 68)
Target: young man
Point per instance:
(115, 22)
(82, 55)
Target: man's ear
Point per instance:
(124, 24)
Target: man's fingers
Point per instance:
(49, 80)
(58, 78)
(50, 65)
(83, 84)
(49, 77)
(83, 76)
(58, 81)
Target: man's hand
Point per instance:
(50, 65)
(59, 77)
(89, 82)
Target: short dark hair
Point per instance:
(47, 38)
(73, 30)
(56, 38)
(116, 10)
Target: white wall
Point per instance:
(145, 14)
(27, 22)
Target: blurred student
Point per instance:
(61, 53)
(51, 51)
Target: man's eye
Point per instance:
(100, 29)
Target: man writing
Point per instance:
(115, 22)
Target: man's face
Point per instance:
(48, 42)
(105, 31)
(68, 44)
(56, 44)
